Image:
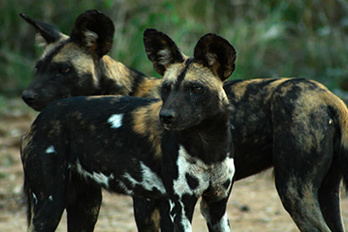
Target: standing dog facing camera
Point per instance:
(76, 146)
(295, 125)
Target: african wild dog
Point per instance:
(296, 125)
(299, 127)
(257, 145)
(195, 154)
(77, 65)
(76, 146)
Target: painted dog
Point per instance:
(300, 128)
(77, 65)
(296, 125)
(254, 132)
(76, 146)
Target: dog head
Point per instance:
(192, 89)
(68, 65)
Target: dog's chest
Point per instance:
(195, 177)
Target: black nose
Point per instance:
(167, 116)
(29, 96)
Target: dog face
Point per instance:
(68, 65)
(192, 87)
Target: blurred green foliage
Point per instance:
(273, 38)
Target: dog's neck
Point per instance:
(117, 78)
(209, 141)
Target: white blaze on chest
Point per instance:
(116, 120)
(213, 176)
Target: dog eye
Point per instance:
(64, 70)
(196, 88)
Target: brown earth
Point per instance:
(253, 206)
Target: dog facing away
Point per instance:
(77, 65)
(76, 146)
(299, 127)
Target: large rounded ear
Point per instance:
(217, 54)
(95, 31)
(46, 33)
(161, 50)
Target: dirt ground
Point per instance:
(253, 206)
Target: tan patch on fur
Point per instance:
(314, 102)
(155, 218)
(307, 105)
(117, 72)
(197, 73)
(81, 61)
(239, 89)
(149, 88)
(147, 124)
(25, 142)
(172, 72)
(41, 42)
(341, 108)
(311, 212)
(203, 75)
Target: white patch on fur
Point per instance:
(185, 222)
(222, 225)
(124, 188)
(90, 38)
(50, 198)
(171, 207)
(149, 181)
(209, 176)
(181, 186)
(213, 176)
(34, 198)
(50, 150)
(99, 178)
(116, 120)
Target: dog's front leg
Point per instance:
(179, 206)
(215, 214)
(181, 212)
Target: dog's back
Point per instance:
(299, 127)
